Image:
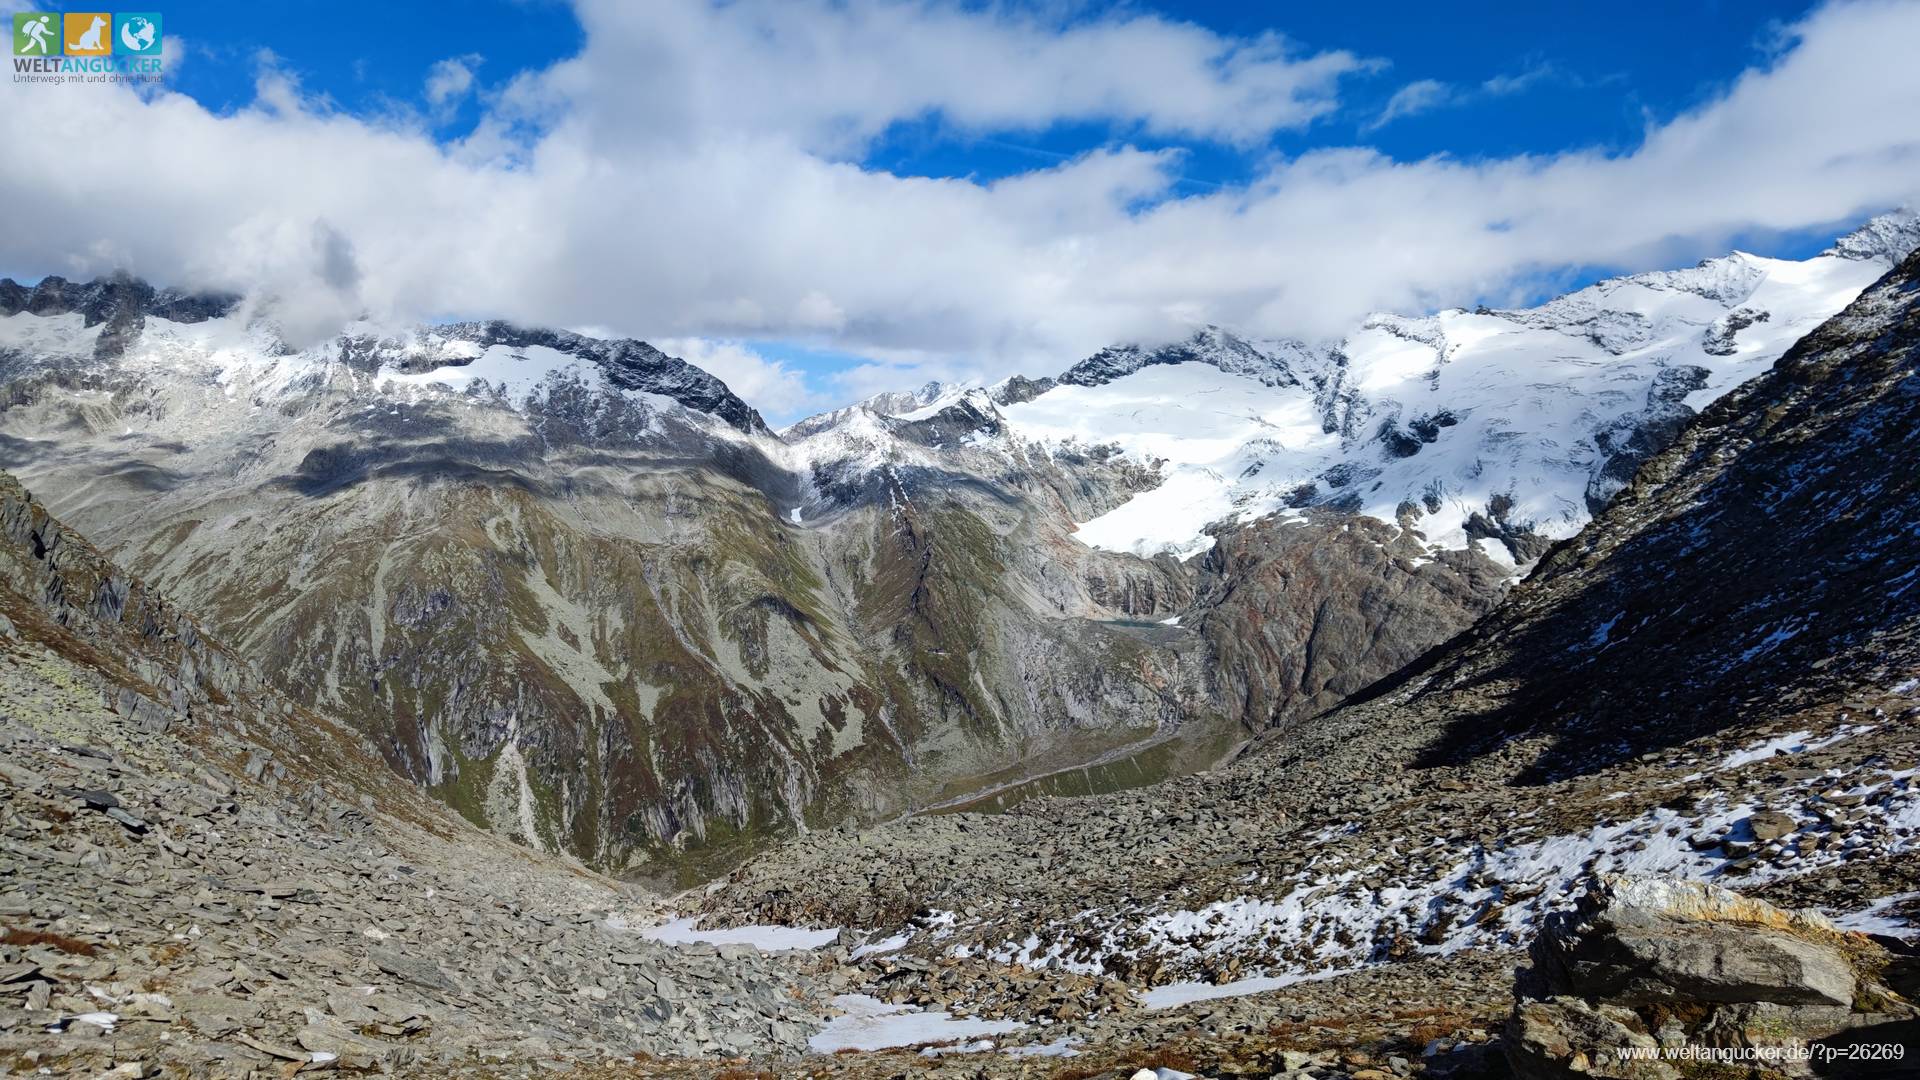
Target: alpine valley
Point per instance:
(580, 592)
(367, 703)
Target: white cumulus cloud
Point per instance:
(450, 80)
(779, 392)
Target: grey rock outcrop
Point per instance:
(1643, 941)
(628, 365)
(1306, 612)
(1566, 1036)
(1646, 965)
(122, 303)
(1209, 345)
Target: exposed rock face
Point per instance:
(174, 667)
(1652, 963)
(122, 303)
(1305, 612)
(107, 299)
(1888, 236)
(1638, 436)
(628, 365)
(1211, 346)
(1565, 1037)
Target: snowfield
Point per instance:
(684, 931)
(1202, 426)
(867, 1023)
(1467, 425)
(1442, 414)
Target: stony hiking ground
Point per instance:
(210, 910)
(162, 906)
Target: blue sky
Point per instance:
(365, 56)
(824, 199)
(1583, 75)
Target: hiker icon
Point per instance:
(90, 41)
(36, 31)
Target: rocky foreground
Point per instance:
(1645, 964)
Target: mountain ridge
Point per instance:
(576, 589)
(1366, 402)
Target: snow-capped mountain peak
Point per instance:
(121, 322)
(1209, 345)
(1886, 238)
(933, 395)
(1502, 430)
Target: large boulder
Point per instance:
(1651, 964)
(1639, 941)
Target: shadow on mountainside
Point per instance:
(427, 446)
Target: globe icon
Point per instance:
(137, 34)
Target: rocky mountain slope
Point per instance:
(1450, 444)
(1717, 679)
(569, 586)
(578, 591)
(203, 878)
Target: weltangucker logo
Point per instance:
(86, 46)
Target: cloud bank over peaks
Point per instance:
(696, 171)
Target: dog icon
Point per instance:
(89, 42)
